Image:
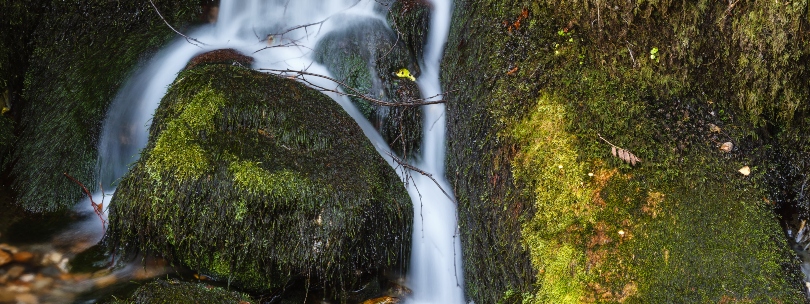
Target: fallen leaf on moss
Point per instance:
(727, 146)
(625, 155)
(745, 171)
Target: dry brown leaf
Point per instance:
(727, 146)
(714, 128)
(625, 155)
(745, 170)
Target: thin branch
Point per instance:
(96, 207)
(428, 175)
(294, 74)
(631, 53)
(189, 39)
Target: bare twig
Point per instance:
(300, 75)
(420, 171)
(189, 39)
(631, 53)
(727, 13)
(96, 207)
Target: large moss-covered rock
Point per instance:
(174, 292)
(261, 181)
(548, 215)
(65, 62)
(365, 55)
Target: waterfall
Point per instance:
(435, 274)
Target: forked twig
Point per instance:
(420, 171)
(96, 207)
(189, 39)
(295, 74)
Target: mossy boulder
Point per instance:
(542, 92)
(261, 181)
(365, 56)
(66, 61)
(170, 292)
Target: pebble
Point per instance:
(51, 271)
(23, 257)
(8, 248)
(52, 258)
(15, 272)
(27, 278)
(26, 298)
(5, 257)
(41, 283)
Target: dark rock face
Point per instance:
(262, 181)
(62, 63)
(548, 215)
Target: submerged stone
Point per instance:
(261, 181)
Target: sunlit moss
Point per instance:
(176, 151)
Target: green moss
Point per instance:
(162, 291)
(176, 151)
(539, 83)
(66, 74)
(255, 180)
(289, 190)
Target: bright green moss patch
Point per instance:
(255, 180)
(548, 162)
(176, 151)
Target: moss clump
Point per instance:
(537, 85)
(289, 190)
(64, 77)
(162, 291)
(175, 152)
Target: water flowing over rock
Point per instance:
(261, 181)
(365, 56)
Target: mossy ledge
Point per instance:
(549, 216)
(261, 181)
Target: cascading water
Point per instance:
(435, 272)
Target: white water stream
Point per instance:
(435, 274)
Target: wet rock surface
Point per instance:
(366, 57)
(263, 182)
